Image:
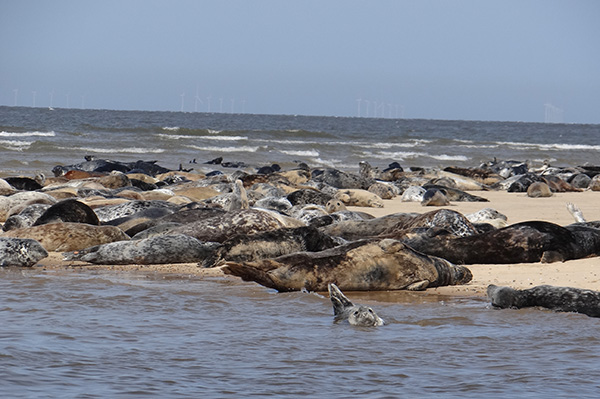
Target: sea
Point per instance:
(112, 334)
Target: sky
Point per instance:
(510, 60)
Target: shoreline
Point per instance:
(580, 273)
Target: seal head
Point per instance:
(357, 315)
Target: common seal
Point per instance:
(357, 315)
(176, 248)
(360, 265)
(69, 236)
(270, 244)
(538, 190)
(357, 197)
(560, 299)
(20, 252)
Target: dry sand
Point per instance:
(582, 273)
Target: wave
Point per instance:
(171, 129)
(126, 150)
(300, 153)
(226, 149)
(445, 157)
(550, 146)
(182, 137)
(27, 134)
(15, 145)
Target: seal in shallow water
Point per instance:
(20, 252)
(176, 248)
(560, 299)
(366, 265)
(357, 315)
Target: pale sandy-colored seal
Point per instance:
(360, 265)
(20, 252)
(357, 197)
(560, 299)
(172, 248)
(356, 315)
(69, 236)
(538, 190)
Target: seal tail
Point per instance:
(248, 272)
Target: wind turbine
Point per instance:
(232, 105)
(358, 100)
(208, 101)
(196, 99)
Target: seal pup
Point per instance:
(20, 252)
(175, 248)
(357, 315)
(365, 265)
(560, 299)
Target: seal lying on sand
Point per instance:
(176, 248)
(20, 252)
(560, 299)
(524, 242)
(357, 315)
(366, 265)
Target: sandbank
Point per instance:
(581, 273)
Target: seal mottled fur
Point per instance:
(360, 265)
(356, 315)
(561, 299)
(20, 252)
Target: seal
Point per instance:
(69, 210)
(340, 179)
(110, 212)
(20, 252)
(357, 229)
(26, 217)
(68, 236)
(175, 248)
(22, 199)
(357, 197)
(560, 299)
(365, 265)
(308, 196)
(270, 244)
(526, 242)
(356, 315)
(434, 197)
(538, 189)
(244, 221)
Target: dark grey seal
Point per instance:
(560, 299)
(69, 210)
(20, 252)
(356, 315)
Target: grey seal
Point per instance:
(560, 299)
(20, 252)
(175, 248)
(365, 265)
(357, 315)
(69, 210)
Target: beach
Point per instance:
(580, 273)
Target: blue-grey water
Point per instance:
(91, 334)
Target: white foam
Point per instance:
(123, 150)
(222, 138)
(171, 129)
(226, 149)
(15, 145)
(26, 134)
(445, 157)
(308, 153)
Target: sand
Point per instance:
(581, 273)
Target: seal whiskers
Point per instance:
(357, 315)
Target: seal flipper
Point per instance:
(248, 272)
(338, 299)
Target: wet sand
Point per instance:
(581, 273)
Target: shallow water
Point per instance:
(100, 334)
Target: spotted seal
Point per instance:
(20, 252)
(174, 248)
(560, 299)
(26, 217)
(356, 315)
(109, 212)
(360, 265)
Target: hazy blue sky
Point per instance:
(483, 60)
